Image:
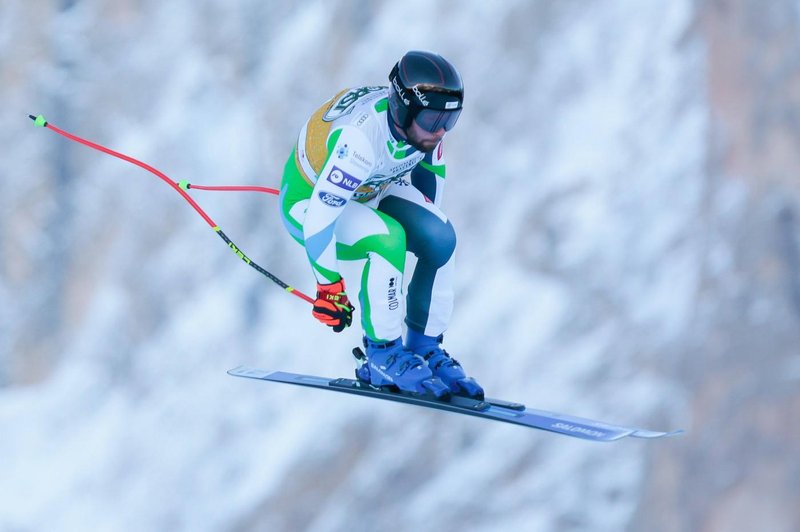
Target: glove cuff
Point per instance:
(332, 288)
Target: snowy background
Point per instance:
(636, 262)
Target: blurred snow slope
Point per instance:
(578, 283)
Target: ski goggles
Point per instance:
(432, 120)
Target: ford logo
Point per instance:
(331, 200)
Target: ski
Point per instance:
(492, 409)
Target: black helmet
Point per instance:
(426, 87)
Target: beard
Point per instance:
(423, 144)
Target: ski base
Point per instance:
(493, 409)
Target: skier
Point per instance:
(364, 183)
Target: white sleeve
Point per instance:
(341, 174)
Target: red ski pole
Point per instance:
(181, 188)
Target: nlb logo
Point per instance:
(336, 176)
(342, 179)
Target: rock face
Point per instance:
(736, 469)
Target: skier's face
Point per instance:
(424, 140)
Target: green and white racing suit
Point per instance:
(351, 191)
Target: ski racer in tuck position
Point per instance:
(364, 183)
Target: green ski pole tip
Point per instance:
(184, 184)
(38, 120)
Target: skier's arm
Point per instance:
(338, 179)
(428, 176)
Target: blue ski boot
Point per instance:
(443, 365)
(390, 364)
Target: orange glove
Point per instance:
(332, 306)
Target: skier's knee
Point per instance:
(439, 244)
